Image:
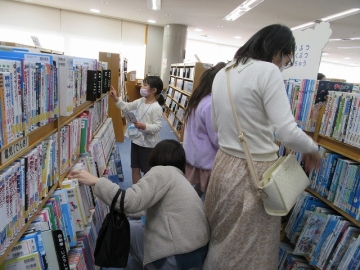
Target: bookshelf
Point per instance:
(184, 78)
(345, 190)
(114, 64)
(32, 139)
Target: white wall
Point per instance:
(211, 53)
(331, 70)
(73, 33)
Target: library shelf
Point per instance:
(31, 219)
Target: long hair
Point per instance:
(203, 89)
(266, 43)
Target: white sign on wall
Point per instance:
(309, 46)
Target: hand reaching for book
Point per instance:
(312, 161)
(113, 94)
(83, 177)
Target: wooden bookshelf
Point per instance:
(183, 74)
(113, 60)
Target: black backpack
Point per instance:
(113, 243)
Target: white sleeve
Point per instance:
(128, 106)
(278, 110)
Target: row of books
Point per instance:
(328, 240)
(341, 119)
(174, 121)
(337, 179)
(307, 96)
(28, 93)
(183, 72)
(182, 84)
(22, 186)
(73, 214)
(181, 98)
(36, 88)
(53, 241)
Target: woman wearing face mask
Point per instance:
(243, 235)
(146, 130)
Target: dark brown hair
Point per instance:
(266, 43)
(168, 153)
(203, 89)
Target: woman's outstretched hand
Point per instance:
(113, 94)
(83, 177)
(312, 161)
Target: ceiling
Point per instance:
(208, 15)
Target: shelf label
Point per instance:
(13, 150)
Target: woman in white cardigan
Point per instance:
(176, 232)
(243, 235)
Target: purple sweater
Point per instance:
(200, 138)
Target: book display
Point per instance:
(323, 229)
(51, 124)
(183, 79)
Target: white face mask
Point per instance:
(144, 92)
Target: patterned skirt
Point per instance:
(243, 235)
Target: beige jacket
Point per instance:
(175, 218)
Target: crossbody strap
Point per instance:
(241, 136)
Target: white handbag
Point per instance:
(281, 184)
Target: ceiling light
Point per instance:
(347, 58)
(242, 9)
(349, 47)
(341, 15)
(237, 37)
(168, 15)
(302, 26)
(355, 38)
(324, 53)
(154, 4)
(104, 2)
(335, 39)
(220, 26)
(198, 30)
(151, 21)
(95, 10)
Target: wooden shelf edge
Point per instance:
(180, 90)
(34, 139)
(31, 219)
(344, 149)
(337, 209)
(77, 110)
(171, 126)
(63, 175)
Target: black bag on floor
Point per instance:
(113, 243)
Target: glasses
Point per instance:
(289, 63)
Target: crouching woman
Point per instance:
(176, 232)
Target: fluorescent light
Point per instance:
(237, 37)
(198, 30)
(154, 4)
(95, 10)
(324, 53)
(347, 58)
(355, 38)
(242, 9)
(349, 47)
(341, 14)
(151, 21)
(335, 39)
(305, 25)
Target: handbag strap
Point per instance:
(241, 136)
(114, 201)
(122, 199)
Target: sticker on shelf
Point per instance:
(13, 150)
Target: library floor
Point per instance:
(125, 147)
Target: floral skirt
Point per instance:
(243, 235)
